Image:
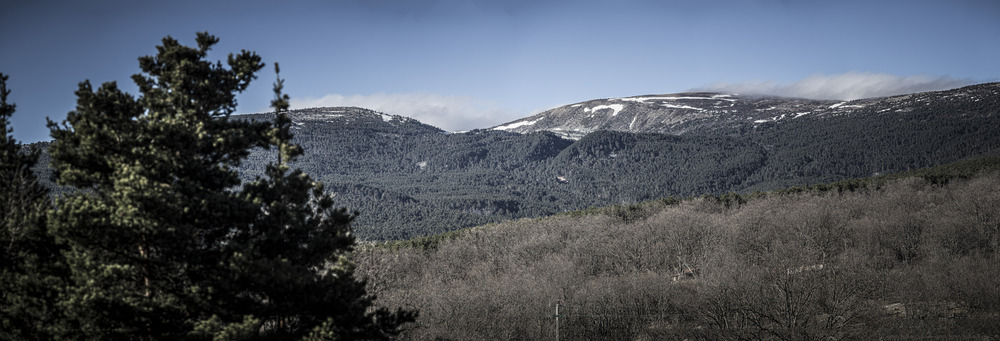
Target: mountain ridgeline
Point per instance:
(409, 179)
(714, 113)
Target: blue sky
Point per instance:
(467, 64)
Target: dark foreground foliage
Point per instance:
(158, 237)
(31, 269)
(909, 258)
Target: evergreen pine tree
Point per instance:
(304, 279)
(166, 242)
(31, 269)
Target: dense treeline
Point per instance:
(889, 258)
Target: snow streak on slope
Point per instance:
(615, 107)
(515, 125)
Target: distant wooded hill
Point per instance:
(409, 179)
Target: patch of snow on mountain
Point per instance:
(699, 98)
(633, 122)
(516, 125)
(719, 97)
(837, 105)
(668, 105)
(724, 98)
(616, 107)
(799, 114)
(643, 99)
(386, 118)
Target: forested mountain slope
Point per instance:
(409, 179)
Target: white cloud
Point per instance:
(452, 113)
(847, 86)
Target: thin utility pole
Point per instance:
(557, 316)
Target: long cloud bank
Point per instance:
(451, 113)
(847, 86)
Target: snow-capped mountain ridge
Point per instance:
(359, 118)
(687, 112)
(329, 114)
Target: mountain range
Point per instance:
(715, 113)
(408, 179)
